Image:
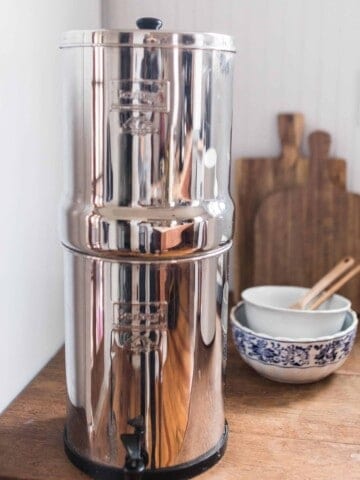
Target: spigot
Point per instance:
(136, 456)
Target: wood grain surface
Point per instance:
(292, 432)
(256, 178)
(302, 232)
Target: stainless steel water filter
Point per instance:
(147, 227)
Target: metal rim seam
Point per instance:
(141, 45)
(151, 260)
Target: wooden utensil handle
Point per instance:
(339, 269)
(335, 287)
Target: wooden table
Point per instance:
(277, 431)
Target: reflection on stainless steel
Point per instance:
(139, 180)
(139, 344)
(147, 225)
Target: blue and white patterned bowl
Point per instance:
(300, 360)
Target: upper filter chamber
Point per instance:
(147, 137)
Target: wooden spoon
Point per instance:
(327, 294)
(327, 280)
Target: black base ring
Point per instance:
(179, 472)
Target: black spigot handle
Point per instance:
(136, 455)
(149, 23)
(138, 424)
(133, 470)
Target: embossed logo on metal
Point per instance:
(139, 124)
(140, 95)
(140, 102)
(139, 327)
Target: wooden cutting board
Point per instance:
(301, 232)
(257, 178)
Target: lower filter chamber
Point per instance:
(148, 339)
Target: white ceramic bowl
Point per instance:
(267, 311)
(302, 360)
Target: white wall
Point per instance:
(31, 303)
(293, 55)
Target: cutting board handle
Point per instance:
(291, 130)
(319, 144)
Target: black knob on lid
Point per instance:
(149, 23)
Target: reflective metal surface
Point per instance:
(147, 138)
(144, 38)
(145, 339)
(147, 224)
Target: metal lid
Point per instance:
(148, 37)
